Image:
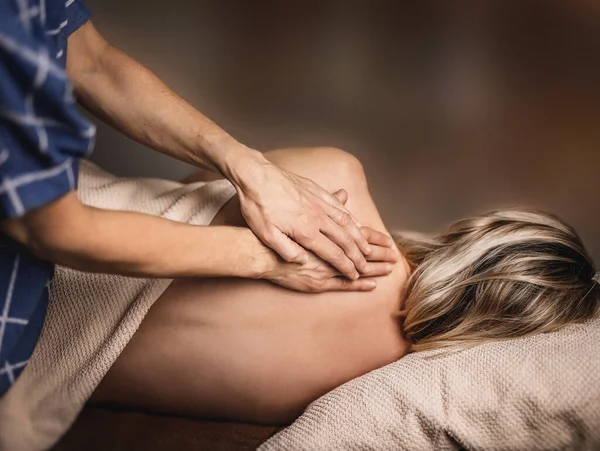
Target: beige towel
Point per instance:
(91, 317)
(538, 393)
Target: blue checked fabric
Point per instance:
(42, 138)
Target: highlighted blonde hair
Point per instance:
(497, 276)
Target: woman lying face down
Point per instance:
(248, 350)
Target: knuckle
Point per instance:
(346, 240)
(345, 219)
(344, 284)
(362, 264)
(291, 255)
(339, 256)
(304, 234)
(311, 239)
(366, 232)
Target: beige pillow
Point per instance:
(541, 392)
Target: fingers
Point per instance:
(347, 243)
(345, 220)
(287, 249)
(375, 237)
(337, 200)
(343, 284)
(327, 249)
(377, 269)
(342, 196)
(383, 254)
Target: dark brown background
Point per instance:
(454, 107)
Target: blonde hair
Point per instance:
(497, 276)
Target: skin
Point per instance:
(283, 209)
(251, 351)
(287, 212)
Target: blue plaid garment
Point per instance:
(42, 138)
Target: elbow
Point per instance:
(58, 238)
(41, 244)
(58, 231)
(40, 248)
(53, 246)
(47, 248)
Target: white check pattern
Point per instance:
(5, 319)
(41, 137)
(9, 370)
(46, 70)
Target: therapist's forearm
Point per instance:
(133, 244)
(167, 249)
(128, 96)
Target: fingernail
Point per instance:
(388, 268)
(371, 283)
(368, 250)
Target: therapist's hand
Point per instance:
(316, 276)
(293, 215)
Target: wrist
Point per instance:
(234, 160)
(258, 261)
(240, 165)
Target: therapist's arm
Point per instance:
(69, 233)
(125, 94)
(290, 214)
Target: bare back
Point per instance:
(251, 351)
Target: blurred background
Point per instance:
(454, 107)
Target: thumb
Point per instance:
(341, 195)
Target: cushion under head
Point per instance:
(540, 392)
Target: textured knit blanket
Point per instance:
(537, 393)
(91, 317)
